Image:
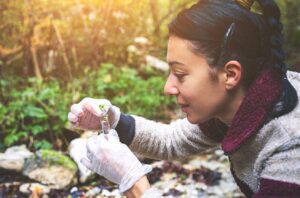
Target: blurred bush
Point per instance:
(59, 38)
(34, 112)
(50, 52)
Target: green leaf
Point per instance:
(42, 144)
(10, 139)
(35, 112)
(35, 130)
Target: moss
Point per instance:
(55, 157)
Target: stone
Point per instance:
(116, 193)
(51, 168)
(34, 188)
(156, 63)
(14, 157)
(77, 151)
(106, 193)
(73, 189)
(93, 192)
(141, 40)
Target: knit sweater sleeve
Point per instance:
(177, 140)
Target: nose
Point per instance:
(170, 86)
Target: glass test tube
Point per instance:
(105, 125)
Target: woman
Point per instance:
(228, 74)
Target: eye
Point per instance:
(179, 76)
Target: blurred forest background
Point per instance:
(54, 53)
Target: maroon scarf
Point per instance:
(263, 93)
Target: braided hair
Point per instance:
(289, 97)
(224, 30)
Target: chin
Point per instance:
(195, 119)
(192, 120)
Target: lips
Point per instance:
(184, 108)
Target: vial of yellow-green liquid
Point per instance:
(105, 127)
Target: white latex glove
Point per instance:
(87, 115)
(113, 160)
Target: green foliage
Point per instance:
(42, 144)
(56, 158)
(126, 88)
(35, 111)
(133, 94)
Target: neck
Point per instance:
(231, 106)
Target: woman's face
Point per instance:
(190, 79)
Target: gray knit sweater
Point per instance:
(272, 154)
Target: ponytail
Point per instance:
(289, 98)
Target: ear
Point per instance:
(233, 72)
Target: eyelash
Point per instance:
(179, 76)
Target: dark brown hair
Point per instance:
(223, 30)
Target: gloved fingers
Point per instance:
(95, 143)
(77, 110)
(73, 125)
(89, 155)
(113, 136)
(87, 163)
(100, 144)
(92, 140)
(86, 103)
(92, 108)
(72, 117)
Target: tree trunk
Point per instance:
(63, 48)
(155, 14)
(37, 70)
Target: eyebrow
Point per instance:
(172, 63)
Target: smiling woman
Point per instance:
(228, 74)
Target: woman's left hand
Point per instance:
(108, 157)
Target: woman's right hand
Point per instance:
(87, 114)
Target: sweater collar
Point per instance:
(253, 112)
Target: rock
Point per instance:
(141, 40)
(34, 188)
(156, 63)
(214, 178)
(106, 193)
(93, 192)
(116, 193)
(73, 189)
(51, 168)
(75, 192)
(77, 150)
(132, 49)
(13, 158)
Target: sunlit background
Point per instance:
(54, 53)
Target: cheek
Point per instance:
(207, 99)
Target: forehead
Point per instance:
(176, 46)
(180, 50)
